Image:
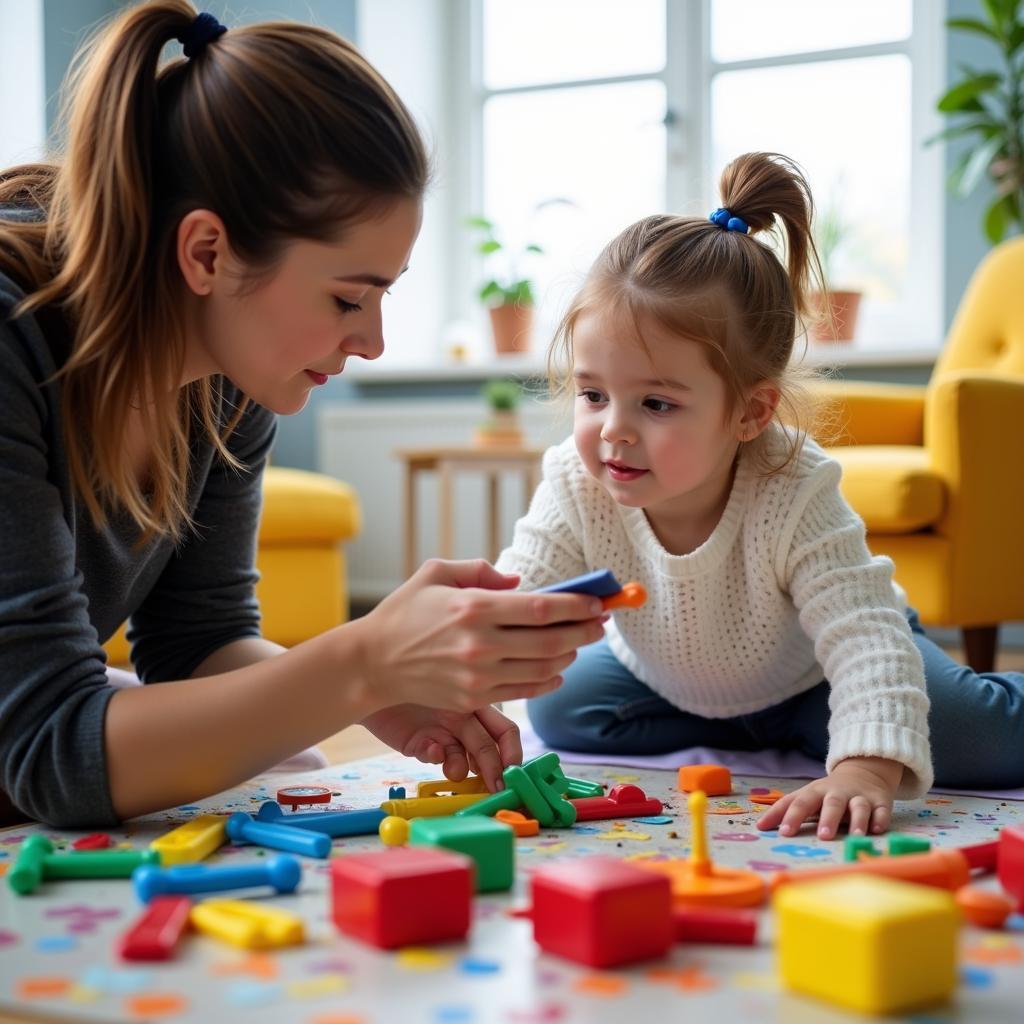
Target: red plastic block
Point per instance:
(155, 935)
(602, 912)
(406, 895)
(621, 802)
(96, 841)
(1010, 862)
(982, 856)
(725, 925)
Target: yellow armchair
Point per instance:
(303, 587)
(937, 472)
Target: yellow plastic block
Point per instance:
(243, 923)
(435, 787)
(431, 806)
(873, 944)
(193, 841)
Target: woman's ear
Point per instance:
(202, 250)
(761, 404)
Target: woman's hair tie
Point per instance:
(200, 34)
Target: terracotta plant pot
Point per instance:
(501, 431)
(512, 326)
(844, 306)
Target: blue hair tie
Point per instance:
(724, 219)
(200, 33)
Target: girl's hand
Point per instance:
(485, 741)
(454, 637)
(860, 789)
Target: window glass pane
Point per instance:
(745, 29)
(856, 154)
(528, 42)
(601, 148)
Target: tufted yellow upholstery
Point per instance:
(303, 588)
(937, 472)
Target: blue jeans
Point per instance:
(976, 720)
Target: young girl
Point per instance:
(768, 623)
(215, 244)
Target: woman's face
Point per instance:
(320, 305)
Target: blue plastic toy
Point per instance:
(280, 873)
(243, 828)
(601, 583)
(333, 823)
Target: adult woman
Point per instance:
(216, 242)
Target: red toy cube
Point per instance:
(602, 912)
(1010, 862)
(403, 896)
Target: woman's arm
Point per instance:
(453, 637)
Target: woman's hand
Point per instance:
(485, 742)
(454, 637)
(859, 788)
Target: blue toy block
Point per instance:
(243, 828)
(333, 823)
(601, 583)
(281, 873)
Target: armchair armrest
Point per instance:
(973, 425)
(861, 412)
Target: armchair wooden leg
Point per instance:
(980, 647)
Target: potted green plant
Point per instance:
(501, 429)
(507, 292)
(989, 110)
(836, 309)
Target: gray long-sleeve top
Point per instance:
(66, 587)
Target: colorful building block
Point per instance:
(871, 944)
(623, 801)
(984, 908)
(404, 896)
(445, 787)
(537, 788)
(95, 841)
(490, 843)
(394, 831)
(331, 823)
(156, 933)
(37, 861)
(942, 868)
(601, 912)
(712, 779)
(436, 806)
(722, 925)
(243, 828)
(247, 924)
(899, 844)
(281, 873)
(1010, 862)
(519, 823)
(600, 583)
(193, 841)
(854, 847)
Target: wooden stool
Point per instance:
(447, 462)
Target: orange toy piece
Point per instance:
(521, 825)
(984, 907)
(632, 595)
(765, 796)
(942, 868)
(698, 882)
(710, 779)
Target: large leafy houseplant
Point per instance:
(989, 109)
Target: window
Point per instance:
(21, 83)
(587, 114)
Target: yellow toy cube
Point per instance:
(870, 943)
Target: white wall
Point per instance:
(22, 93)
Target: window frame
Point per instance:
(687, 76)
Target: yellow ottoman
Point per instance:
(303, 587)
(872, 944)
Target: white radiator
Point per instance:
(357, 441)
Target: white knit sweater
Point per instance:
(782, 595)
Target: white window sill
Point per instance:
(839, 355)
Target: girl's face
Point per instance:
(298, 328)
(654, 430)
